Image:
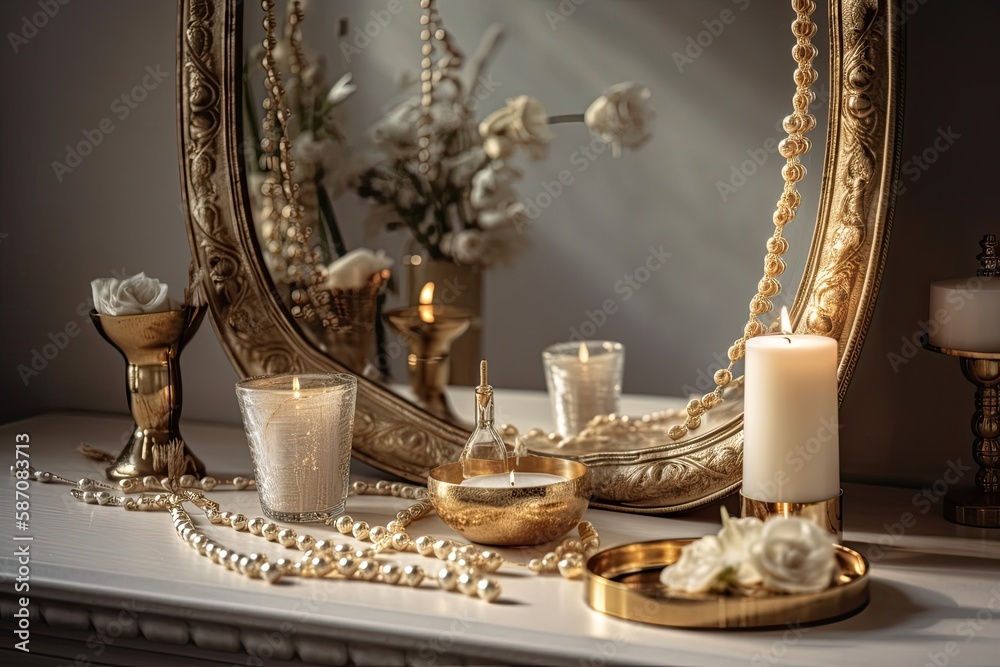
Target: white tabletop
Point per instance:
(935, 586)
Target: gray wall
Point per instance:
(119, 210)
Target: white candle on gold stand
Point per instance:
(791, 449)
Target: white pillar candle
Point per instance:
(791, 449)
(965, 314)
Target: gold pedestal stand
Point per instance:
(827, 514)
(429, 332)
(979, 505)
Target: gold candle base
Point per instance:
(827, 514)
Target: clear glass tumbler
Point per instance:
(584, 380)
(299, 428)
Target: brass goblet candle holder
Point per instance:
(151, 344)
(429, 331)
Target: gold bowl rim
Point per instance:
(531, 463)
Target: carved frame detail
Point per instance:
(836, 296)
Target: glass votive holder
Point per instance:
(299, 428)
(584, 380)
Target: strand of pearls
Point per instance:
(463, 567)
(792, 148)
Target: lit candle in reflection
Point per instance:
(295, 388)
(425, 307)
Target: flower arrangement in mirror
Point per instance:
(435, 170)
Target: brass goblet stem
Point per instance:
(979, 505)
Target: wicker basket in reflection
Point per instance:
(354, 309)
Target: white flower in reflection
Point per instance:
(493, 186)
(355, 269)
(621, 116)
(523, 122)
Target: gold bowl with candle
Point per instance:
(512, 516)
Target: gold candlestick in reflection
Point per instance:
(429, 329)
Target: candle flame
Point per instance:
(786, 323)
(426, 299)
(296, 386)
(584, 354)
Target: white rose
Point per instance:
(701, 567)
(621, 115)
(523, 122)
(132, 296)
(738, 536)
(794, 555)
(355, 269)
(493, 187)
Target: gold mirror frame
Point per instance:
(836, 296)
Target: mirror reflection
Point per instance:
(490, 180)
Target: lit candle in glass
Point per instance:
(300, 428)
(584, 380)
(790, 428)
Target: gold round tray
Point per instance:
(625, 582)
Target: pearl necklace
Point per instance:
(463, 569)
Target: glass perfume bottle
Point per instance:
(485, 452)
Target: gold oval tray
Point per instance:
(624, 581)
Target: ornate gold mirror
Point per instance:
(660, 249)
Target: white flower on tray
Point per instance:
(782, 555)
(794, 556)
(132, 296)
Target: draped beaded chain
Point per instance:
(792, 148)
(289, 241)
(464, 568)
